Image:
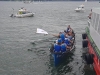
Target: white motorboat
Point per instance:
(80, 8)
(22, 13)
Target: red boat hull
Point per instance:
(96, 63)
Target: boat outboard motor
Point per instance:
(11, 15)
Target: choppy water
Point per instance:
(23, 52)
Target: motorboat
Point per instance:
(22, 13)
(80, 8)
(91, 41)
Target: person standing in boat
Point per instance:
(90, 14)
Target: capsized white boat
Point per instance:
(80, 8)
(22, 13)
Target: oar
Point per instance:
(41, 31)
(43, 40)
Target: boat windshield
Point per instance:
(23, 11)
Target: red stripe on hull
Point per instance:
(96, 63)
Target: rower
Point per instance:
(63, 48)
(57, 45)
(68, 42)
(62, 36)
(69, 29)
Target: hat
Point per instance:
(59, 40)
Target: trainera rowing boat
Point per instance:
(60, 57)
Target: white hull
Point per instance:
(79, 10)
(24, 15)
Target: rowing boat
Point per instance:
(60, 57)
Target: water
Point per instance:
(23, 52)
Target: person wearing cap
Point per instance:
(67, 41)
(62, 36)
(57, 45)
(63, 48)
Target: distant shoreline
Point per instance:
(49, 0)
